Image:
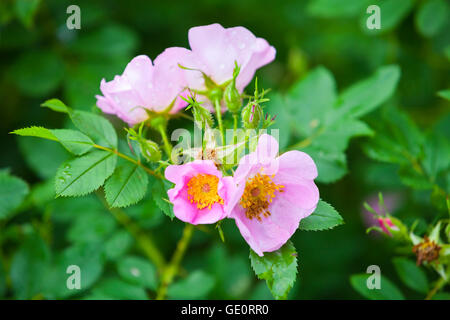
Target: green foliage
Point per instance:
(278, 268)
(80, 176)
(56, 105)
(25, 10)
(74, 141)
(112, 288)
(392, 12)
(138, 271)
(96, 127)
(12, 192)
(38, 73)
(324, 217)
(27, 266)
(388, 290)
(87, 256)
(126, 186)
(159, 192)
(411, 275)
(432, 17)
(196, 286)
(400, 141)
(326, 121)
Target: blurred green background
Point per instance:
(41, 59)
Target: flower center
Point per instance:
(202, 190)
(258, 194)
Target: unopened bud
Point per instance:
(251, 116)
(232, 97)
(150, 150)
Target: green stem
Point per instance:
(172, 269)
(144, 240)
(217, 107)
(439, 284)
(167, 145)
(235, 125)
(123, 156)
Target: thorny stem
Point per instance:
(172, 269)
(217, 108)
(143, 239)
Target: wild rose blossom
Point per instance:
(273, 194)
(144, 85)
(201, 194)
(215, 50)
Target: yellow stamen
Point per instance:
(202, 190)
(258, 194)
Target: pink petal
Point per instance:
(264, 236)
(168, 78)
(296, 166)
(263, 54)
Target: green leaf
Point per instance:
(311, 98)
(28, 265)
(399, 141)
(39, 132)
(278, 268)
(12, 192)
(74, 141)
(42, 156)
(324, 217)
(26, 10)
(364, 96)
(56, 105)
(117, 289)
(331, 165)
(159, 193)
(336, 8)
(126, 186)
(96, 127)
(388, 290)
(119, 244)
(196, 286)
(94, 226)
(87, 257)
(80, 176)
(325, 124)
(392, 12)
(138, 271)
(411, 275)
(38, 73)
(279, 107)
(444, 94)
(431, 17)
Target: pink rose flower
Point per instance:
(144, 85)
(215, 50)
(273, 194)
(201, 194)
